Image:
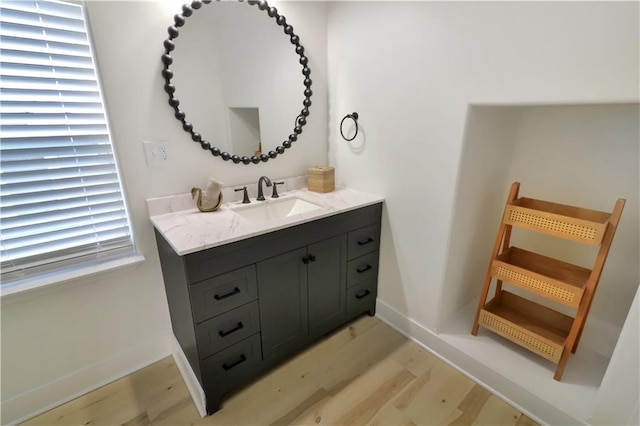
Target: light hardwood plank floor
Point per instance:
(365, 373)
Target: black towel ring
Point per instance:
(354, 117)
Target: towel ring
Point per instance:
(354, 117)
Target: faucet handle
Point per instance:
(275, 189)
(245, 199)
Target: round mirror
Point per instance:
(232, 72)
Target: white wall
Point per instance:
(619, 395)
(53, 336)
(585, 156)
(412, 70)
(482, 187)
(430, 61)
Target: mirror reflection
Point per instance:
(238, 79)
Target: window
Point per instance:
(62, 204)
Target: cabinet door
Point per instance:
(327, 284)
(282, 290)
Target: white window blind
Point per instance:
(61, 198)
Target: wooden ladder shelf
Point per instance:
(542, 330)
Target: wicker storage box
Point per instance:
(321, 179)
(573, 223)
(532, 326)
(556, 280)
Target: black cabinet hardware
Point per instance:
(307, 259)
(363, 295)
(364, 242)
(364, 269)
(238, 327)
(228, 367)
(224, 296)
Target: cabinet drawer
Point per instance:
(224, 292)
(361, 298)
(224, 330)
(363, 268)
(363, 241)
(232, 366)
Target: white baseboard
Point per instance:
(505, 388)
(50, 395)
(189, 377)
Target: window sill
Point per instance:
(27, 285)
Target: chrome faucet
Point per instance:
(260, 193)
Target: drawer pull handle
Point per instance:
(364, 242)
(224, 296)
(238, 327)
(228, 367)
(312, 258)
(363, 269)
(305, 260)
(363, 295)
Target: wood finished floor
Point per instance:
(365, 373)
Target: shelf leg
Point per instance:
(572, 339)
(481, 302)
(504, 234)
(506, 242)
(498, 292)
(599, 263)
(507, 238)
(575, 344)
(563, 362)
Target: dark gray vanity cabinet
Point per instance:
(239, 308)
(327, 285)
(302, 295)
(283, 303)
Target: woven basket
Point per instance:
(321, 179)
(572, 223)
(532, 326)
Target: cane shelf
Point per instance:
(536, 327)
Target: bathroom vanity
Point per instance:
(246, 295)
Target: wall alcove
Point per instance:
(584, 155)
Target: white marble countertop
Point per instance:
(188, 230)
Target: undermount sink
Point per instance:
(268, 211)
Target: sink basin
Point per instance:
(268, 211)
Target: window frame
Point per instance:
(65, 270)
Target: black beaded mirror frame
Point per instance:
(167, 73)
